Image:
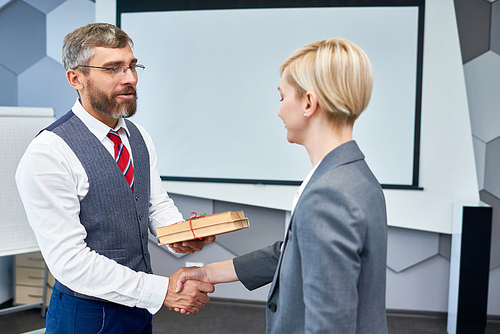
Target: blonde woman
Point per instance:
(329, 274)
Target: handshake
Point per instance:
(188, 287)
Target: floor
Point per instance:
(221, 317)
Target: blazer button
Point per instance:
(136, 197)
(272, 307)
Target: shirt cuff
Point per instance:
(155, 291)
(174, 251)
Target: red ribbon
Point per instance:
(239, 218)
(191, 225)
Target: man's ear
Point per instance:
(75, 79)
(311, 104)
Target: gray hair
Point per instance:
(78, 45)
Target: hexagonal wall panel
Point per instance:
(3, 3)
(44, 6)
(423, 287)
(445, 246)
(482, 78)
(268, 226)
(495, 27)
(60, 23)
(494, 292)
(8, 87)
(45, 85)
(492, 163)
(479, 157)
(24, 44)
(406, 248)
(473, 20)
(494, 202)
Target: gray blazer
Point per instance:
(329, 274)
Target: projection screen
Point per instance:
(209, 96)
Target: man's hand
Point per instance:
(191, 246)
(191, 299)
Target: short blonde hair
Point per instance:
(338, 71)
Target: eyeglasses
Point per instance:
(119, 70)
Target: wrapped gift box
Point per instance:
(204, 226)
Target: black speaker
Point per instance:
(473, 271)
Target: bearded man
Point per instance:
(91, 191)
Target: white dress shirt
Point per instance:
(52, 182)
(304, 183)
(297, 195)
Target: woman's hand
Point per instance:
(194, 273)
(219, 272)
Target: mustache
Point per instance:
(128, 90)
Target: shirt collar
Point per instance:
(302, 186)
(98, 128)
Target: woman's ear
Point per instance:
(74, 79)
(311, 104)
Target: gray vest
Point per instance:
(115, 218)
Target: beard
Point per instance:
(110, 105)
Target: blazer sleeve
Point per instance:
(257, 268)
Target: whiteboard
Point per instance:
(209, 94)
(18, 126)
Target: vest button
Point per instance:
(136, 197)
(272, 307)
(141, 216)
(144, 235)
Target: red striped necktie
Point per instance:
(123, 158)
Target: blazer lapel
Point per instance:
(276, 274)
